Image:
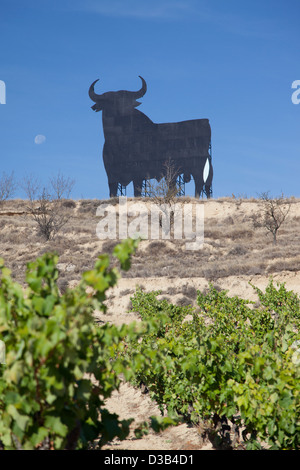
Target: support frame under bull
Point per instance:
(146, 185)
(121, 190)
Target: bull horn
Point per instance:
(142, 91)
(94, 97)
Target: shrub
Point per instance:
(47, 206)
(274, 213)
(7, 186)
(241, 367)
(60, 367)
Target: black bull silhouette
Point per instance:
(137, 149)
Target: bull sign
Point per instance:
(137, 149)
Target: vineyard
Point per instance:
(229, 367)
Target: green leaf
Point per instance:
(268, 373)
(55, 425)
(160, 423)
(20, 419)
(286, 401)
(39, 436)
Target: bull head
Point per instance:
(120, 102)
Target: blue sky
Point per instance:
(232, 62)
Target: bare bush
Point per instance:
(7, 186)
(274, 213)
(61, 186)
(69, 204)
(165, 190)
(164, 193)
(47, 209)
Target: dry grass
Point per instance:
(233, 246)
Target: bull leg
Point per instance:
(113, 189)
(207, 190)
(198, 185)
(137, 186)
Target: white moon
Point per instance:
(39, 139)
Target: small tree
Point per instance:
(61, 186)
(274, 213)
(7, 186)
(166, 190)
(46, 207)
(164, 193)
